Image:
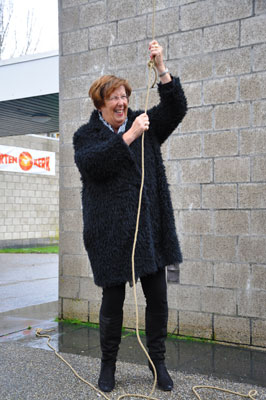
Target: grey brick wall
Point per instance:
(215, 160)
(29, 203)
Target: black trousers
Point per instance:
(155, 291)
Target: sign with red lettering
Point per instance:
(18, 159)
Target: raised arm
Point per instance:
(165, 117)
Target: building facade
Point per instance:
(29, 202)
(215, 160)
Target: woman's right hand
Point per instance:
(140, 125)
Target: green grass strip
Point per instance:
(76, 322)
(130, 332)
(69, 321)
(29, 250)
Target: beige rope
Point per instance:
(133, 253)
(250, 394)
(151, 66)
(39, 334)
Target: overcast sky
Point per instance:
(45, 25)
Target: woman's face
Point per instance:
(115, 107)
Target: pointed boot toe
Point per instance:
(164, 380)
(106, 381)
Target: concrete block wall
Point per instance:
(215, 161)
(29, 203)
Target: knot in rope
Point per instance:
(151, 65)
(38, 332)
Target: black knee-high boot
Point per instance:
(156, 333)
(110, 338)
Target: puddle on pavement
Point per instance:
(227, 362)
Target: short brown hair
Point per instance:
(104, 86)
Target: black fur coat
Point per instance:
(111, 175)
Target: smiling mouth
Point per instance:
(119, 112)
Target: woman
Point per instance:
(108, 156)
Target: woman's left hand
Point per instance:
(156, 53)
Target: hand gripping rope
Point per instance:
(252, 393)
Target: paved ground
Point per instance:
(29, 369)
(30, 373)
(27, 279)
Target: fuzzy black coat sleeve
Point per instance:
(99, 155)
(166, 116)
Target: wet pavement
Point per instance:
(27, 364)
(227, 362)
(27, 279)
(28, 290)
(16, 321)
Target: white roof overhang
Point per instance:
(29, 88)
